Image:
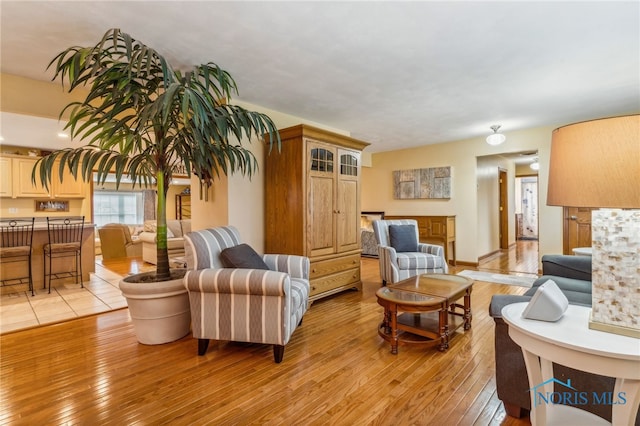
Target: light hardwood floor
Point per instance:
(336, 370)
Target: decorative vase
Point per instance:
(159, 310)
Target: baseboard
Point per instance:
(483, 257)
(464, 263)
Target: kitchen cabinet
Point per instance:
(16, 170)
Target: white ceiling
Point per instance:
(396, 74)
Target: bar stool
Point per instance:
(65, 240)
(16, 237)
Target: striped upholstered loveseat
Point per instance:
(398, 265)
(243, 305)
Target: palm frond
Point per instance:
(143, 119)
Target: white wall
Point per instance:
(377, 191)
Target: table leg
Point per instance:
(625, 413)
(393, 312)
(467, 311)
(454, 253)
(534, 373)
(443, 320)
(386, 322)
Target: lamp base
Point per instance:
(614, 329)
(615, 299)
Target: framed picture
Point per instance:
(52, 205)
(431, 183)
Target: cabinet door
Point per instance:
(438, 228)
(321, 187)
(69, 187)
(576, 228)
(348, 201)
(23, 187)
(6, 177)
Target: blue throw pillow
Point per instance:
(242, 256)
(403, 238)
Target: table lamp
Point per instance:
(597, 164)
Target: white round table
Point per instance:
(570, 342)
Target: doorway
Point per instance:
(503, 209)
(497, 203)
(526, 205)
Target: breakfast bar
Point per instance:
(12, 270)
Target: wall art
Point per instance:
(52, 205)
(431, 183)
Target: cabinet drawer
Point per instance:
(331, 266)
(330, 282)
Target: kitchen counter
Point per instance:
(40, 238)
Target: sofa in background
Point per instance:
(117, 241)
(368, 241)
(572, 274)
(175, 239)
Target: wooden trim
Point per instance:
(481, 258)
(465, 263)
(306, 131)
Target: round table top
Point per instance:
(572, 331)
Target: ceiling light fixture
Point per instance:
(535, 165)
(496, 138)
(63, 135)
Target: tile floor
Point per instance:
(20, 310)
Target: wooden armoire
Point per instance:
(312, 206)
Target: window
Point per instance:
(348, 165)
(118, 207)
(321, 160)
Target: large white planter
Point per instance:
(159, 310)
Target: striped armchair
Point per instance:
(243, 305)
(397, 266)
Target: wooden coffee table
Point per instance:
(422, 310)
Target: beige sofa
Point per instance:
(175, 239)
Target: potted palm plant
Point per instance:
(145, 120)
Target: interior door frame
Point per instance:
(503, 208)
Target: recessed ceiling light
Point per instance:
(63, 135)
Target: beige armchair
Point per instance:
(116, 242)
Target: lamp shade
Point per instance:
(596, 164)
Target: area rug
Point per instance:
(492, 277)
